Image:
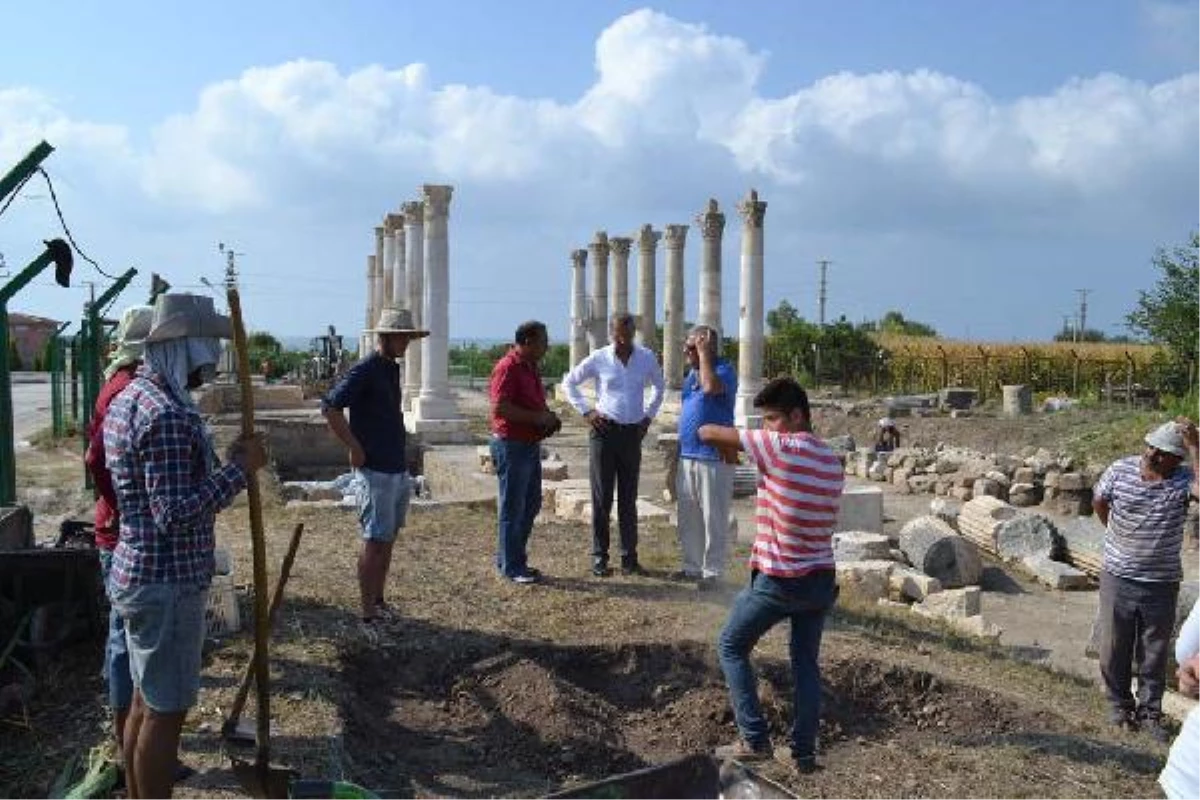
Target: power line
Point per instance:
(67, 231)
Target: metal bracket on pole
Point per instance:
(24, 168)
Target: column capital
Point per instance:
(600, 245)
(379, 233)
(647, 237)
(413, 210)
(711, 221)
(753, 210)
(579, 258)
(675, 236)
(621, 245)
(393, 222)
(437, 199)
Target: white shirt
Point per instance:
(620, 388)
(1181, 774)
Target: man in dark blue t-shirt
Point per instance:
(375, 437)
(704, 480)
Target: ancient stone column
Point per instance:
(598, 302)
(370, 305)
(414, 256)
(437, 417)
(388, 264)
(579, 307)
(620, 275)
(399, 280)
(381, 296)
(647, 240)
(750, 312)
(712, 226)
(673, 333)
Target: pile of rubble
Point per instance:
(1055, 481)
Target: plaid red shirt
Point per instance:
(159, 457)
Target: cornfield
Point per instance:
(924, 364)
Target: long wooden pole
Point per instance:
(262, 622)
(239, 700)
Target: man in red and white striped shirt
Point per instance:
(792, 572)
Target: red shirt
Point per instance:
(517, 381)
(106, 502)
(800, 482)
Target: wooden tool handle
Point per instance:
(258, 545)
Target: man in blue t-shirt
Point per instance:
(704, 480)
(375, 437)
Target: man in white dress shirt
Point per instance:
(619, 420)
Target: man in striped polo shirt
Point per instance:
(1142, 501)
(792, 572)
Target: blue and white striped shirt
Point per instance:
(1145, 521)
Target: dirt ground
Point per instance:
(482, 688)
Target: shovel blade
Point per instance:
(263, 780)
(239, 732)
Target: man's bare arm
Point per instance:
(720, 436)
(336, 418)
(1101, 507)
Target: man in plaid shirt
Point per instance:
(169, 487)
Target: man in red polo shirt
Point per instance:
(520, 420)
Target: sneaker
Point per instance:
(601, 571)
(386, 612)
(368, 628)
(537, 573)
(633, 569)
(1123, 721)
(801, 764)
(1156, 726)
(524, 579)
(741, 750)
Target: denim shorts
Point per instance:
(382, 503)
(116, 650)
(164, 627)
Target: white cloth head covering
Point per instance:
(1167, 437)
(175, 359)
(887, 422)
(129, 338)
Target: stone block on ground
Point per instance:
(1024, 495)
(866, 580)
(913, 584)
(1073, 482)
(554, 470)
(936, 549)
(1056, 574)
(860, 546)
(860, 508)
(649, 512)
(951, 603)
(1026, 535)
(946, 510)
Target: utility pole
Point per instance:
(1066, 328)
(231, 274)
(1083, 293)
(824, 265)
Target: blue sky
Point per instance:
(969, 163)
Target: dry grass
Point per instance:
(407, 716)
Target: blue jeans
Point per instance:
(116, 650)
(519, 468)
(756, 609)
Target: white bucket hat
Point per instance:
(397, 320)
(179, 316)
(887, 422)
(1168, 438)
(129, 338)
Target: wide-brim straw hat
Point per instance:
(180, 316)
(397, 320)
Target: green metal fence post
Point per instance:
(57, 415)
(93, 350)
(8, 461)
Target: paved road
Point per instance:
(31, 407)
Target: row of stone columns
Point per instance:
(411, 270)
(590, 310)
